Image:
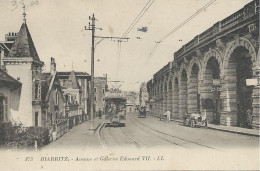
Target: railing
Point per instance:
(249, 10)
(61, 127)
(232, 20)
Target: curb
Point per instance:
(219, 129)
(236, 132)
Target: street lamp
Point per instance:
(216, 89)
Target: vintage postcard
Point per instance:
(129, 85)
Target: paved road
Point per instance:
(150, 132)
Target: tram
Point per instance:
(115, 108)
(142, 112)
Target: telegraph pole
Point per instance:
(92, 27)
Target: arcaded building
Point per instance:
(216, 73)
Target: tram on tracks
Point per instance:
(142, 112)
(115, 108)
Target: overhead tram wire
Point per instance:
(138, 17)
(136, 20)
(177, 28)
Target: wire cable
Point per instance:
(177, 28)
(138, 17)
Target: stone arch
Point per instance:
(183, 86)
(240, 60)
(236, 43)
(198, 62)
(211, 53)
(211, 70)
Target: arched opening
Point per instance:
(183, 94)
(212, 90)
(240, 66)
(175, 101)
(193, 95)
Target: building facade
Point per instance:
(143, 96)
(76, 87)
(211, 73)
(23, 63)
(99, 92)
(53, 101)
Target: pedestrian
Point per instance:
(167, 114)
(249, 118)
(99, 113)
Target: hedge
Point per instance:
(28, 138)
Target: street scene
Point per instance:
(139, 75)
(150, 132)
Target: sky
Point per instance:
(57, 29)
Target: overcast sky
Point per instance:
(57, 29)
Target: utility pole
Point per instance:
(92, 27)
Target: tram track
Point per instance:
(172, 136)
(103, 143)
(99, 135)
(164, 139)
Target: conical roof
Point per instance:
(72, 81)
(24, 46)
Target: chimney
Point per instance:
(53, 66)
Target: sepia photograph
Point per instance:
(129, 85)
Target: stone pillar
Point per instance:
(206, 95)
(256, 101)
(182, 99)
(192, 95)
(165, 99)
(175, 102)
(169, 100)
(229, 95)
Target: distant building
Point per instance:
(5, 46)
(130, 101)
(53, 102)
(143, 95)
(75, 86)
(99, 92)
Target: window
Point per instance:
(37, 90)
(1, 108)
(95, 90)
(57, 98)
(69, 98)
(103, 91)
(36, 118)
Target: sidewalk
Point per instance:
(78, 137)
(232, 129)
